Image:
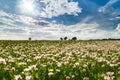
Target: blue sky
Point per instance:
(52, 19)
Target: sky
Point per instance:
(52, 19)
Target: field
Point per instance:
(60, 60)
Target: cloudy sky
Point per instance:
(52, 19)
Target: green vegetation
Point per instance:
(60, 60)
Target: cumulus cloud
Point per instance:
(48, 8)
(58, 7)
(51, 31)
(15, 26)
(82, 30)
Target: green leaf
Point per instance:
(37, 76)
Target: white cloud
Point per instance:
(116, 18)
(82, 30)
(83, 25)
(27, 7)
(59, 30)
(85, 31)
(11, 19)
(107, 7)
(58, 7)
(5, 18)
(2, 13)
(24, 19)
(11, 36)
(118, 27)
(10, 27)
(48, 8)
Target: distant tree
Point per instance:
(65, 38)
(61, 38)
(30, 39)
(110, 39)
(74, 38)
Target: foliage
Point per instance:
(61, 38)
(65, 38)
(60, 60)
(30, 38)
(74, 38)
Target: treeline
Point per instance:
(75, 38)
(110, 39)
(66, 38)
